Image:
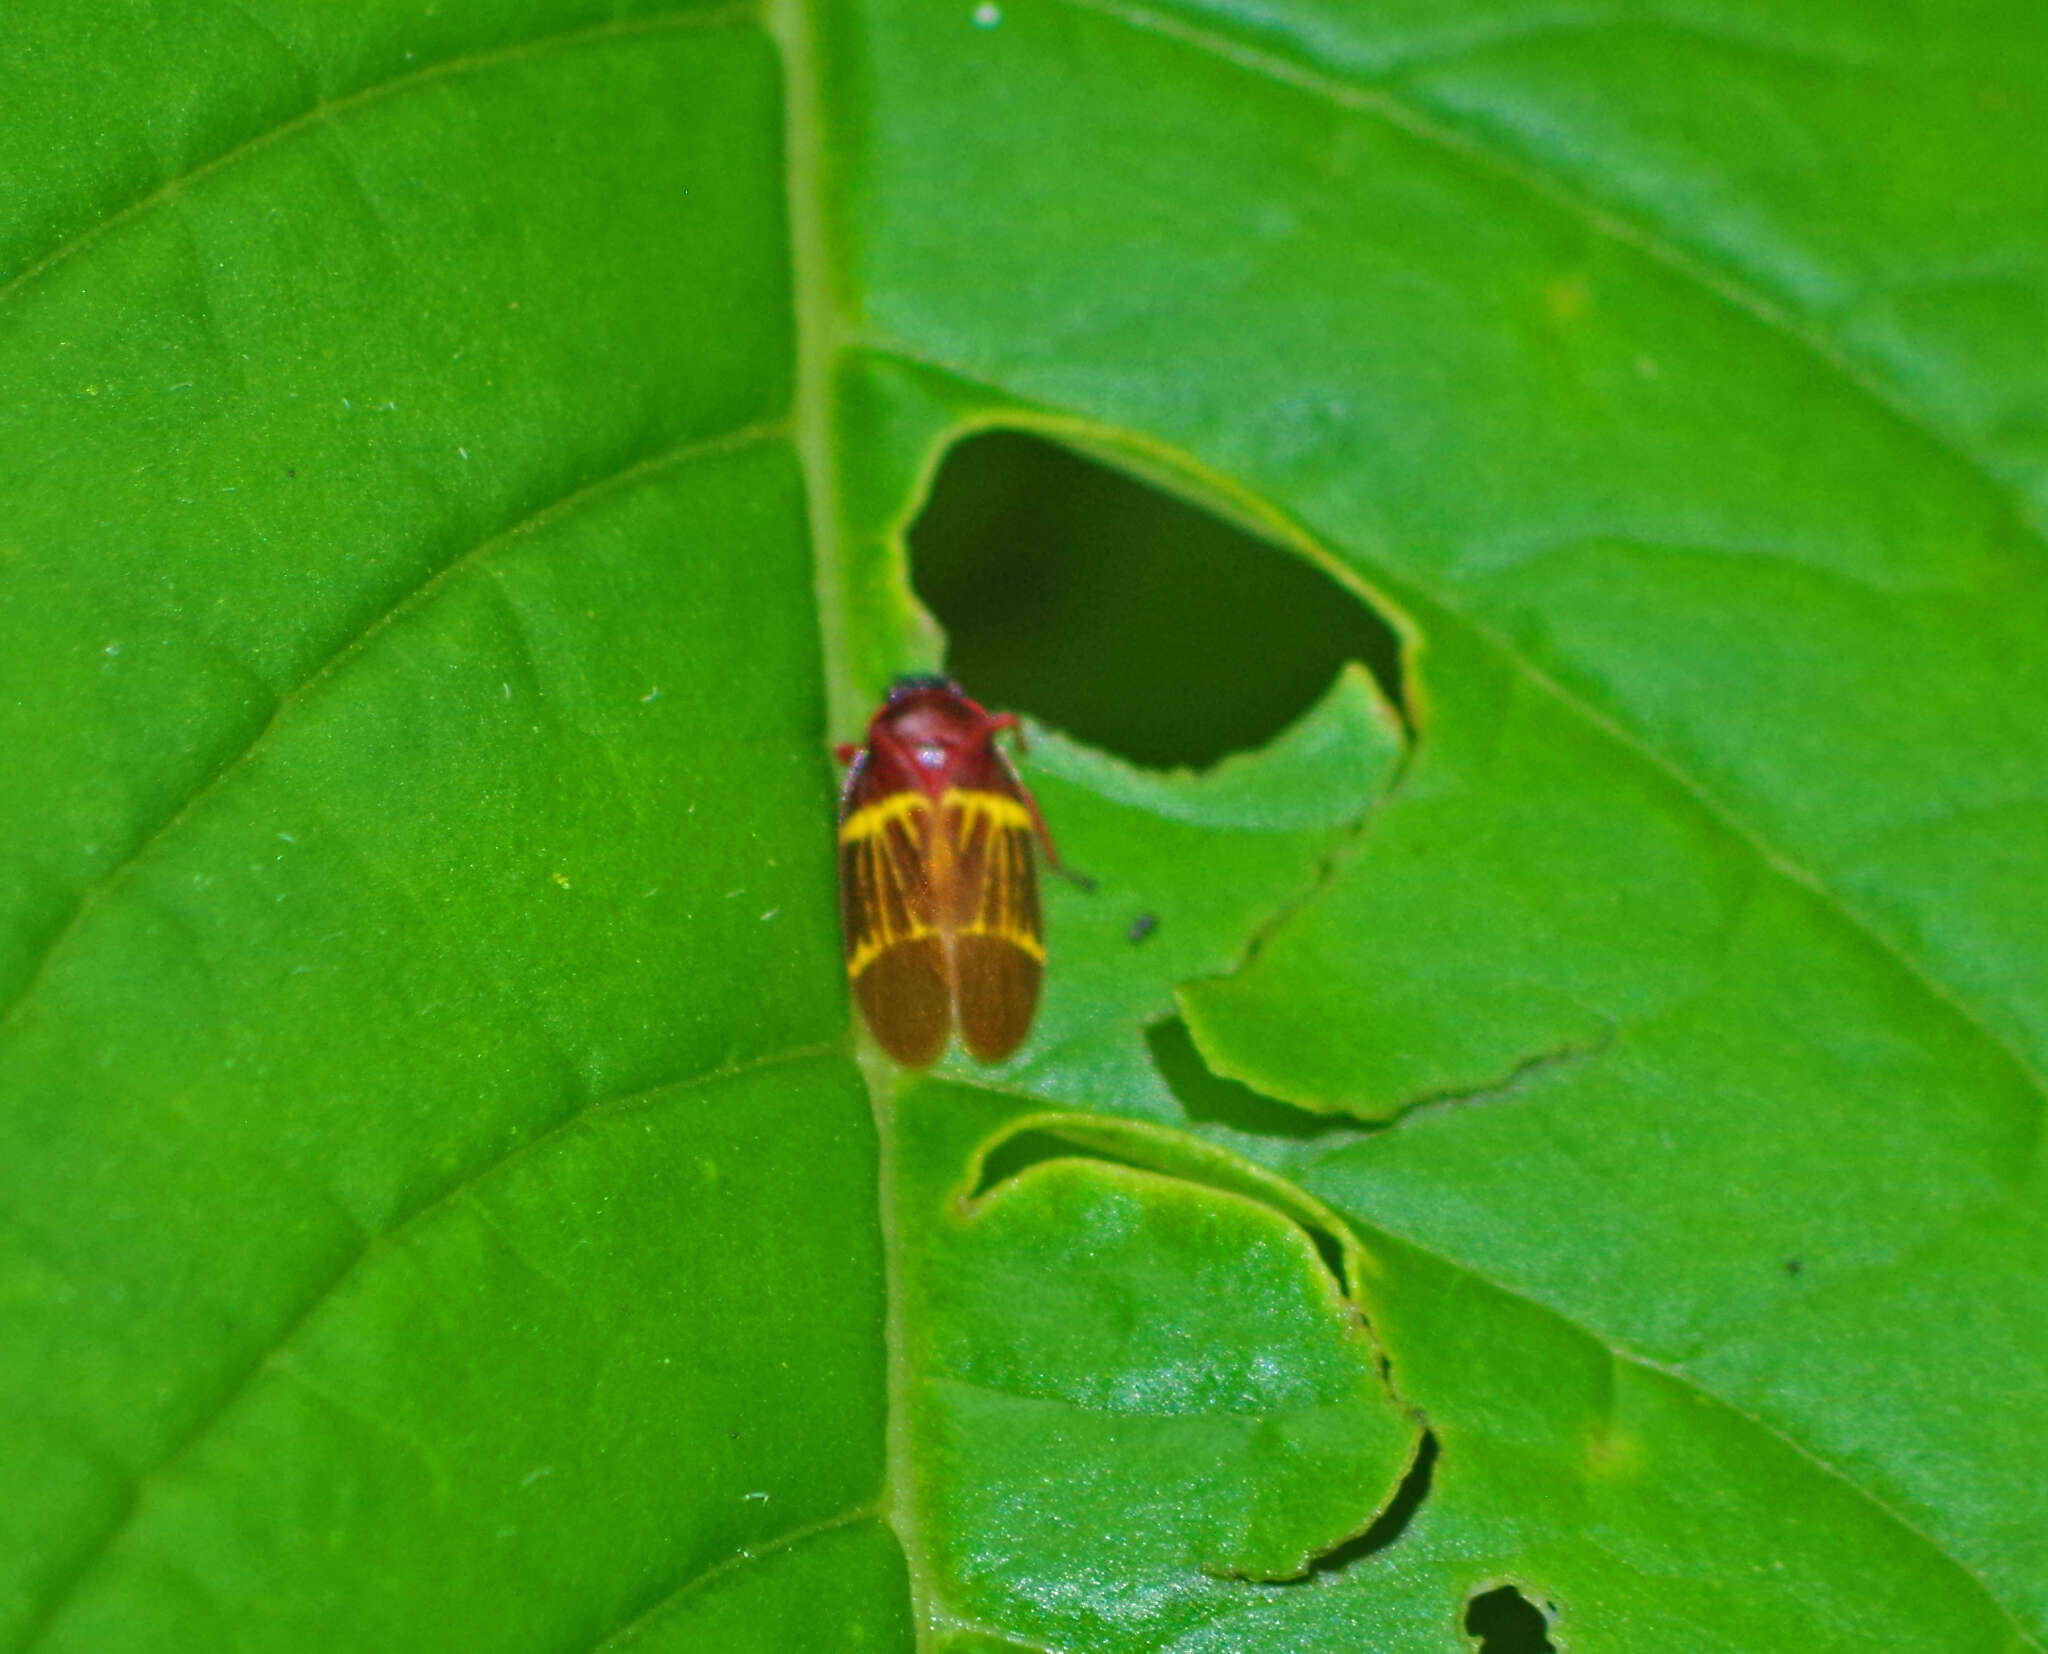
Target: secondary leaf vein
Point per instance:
(1767, 856)
(742, 1559)
(417, 596)
(327, 110)
(240, 1383)
(1729, 288)
(1617, 1357)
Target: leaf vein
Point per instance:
(740, 1559)
(1726, 286)
(239, 1384)
(1771, 858)
(1767, 858)
(329, 109)
(1619, 1356)
(91, 895)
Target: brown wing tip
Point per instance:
(998, 985)
(902, 994)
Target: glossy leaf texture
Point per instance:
(1576, 1129)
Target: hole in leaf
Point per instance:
(1392, 1522)
(1506, 1622)
(1212, 1100)
(1126, 617)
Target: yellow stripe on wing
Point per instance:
(880, 881)
(881, 884)
(868, 952)
(1005, 907)
(872, 819)
(1020, 939)
(973, 804)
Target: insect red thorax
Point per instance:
(938, 883)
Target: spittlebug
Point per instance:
(938, 885)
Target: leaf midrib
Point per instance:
(820, 340)
(816, 354)
(822, 337)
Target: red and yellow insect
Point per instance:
(938, 886)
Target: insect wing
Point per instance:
(993, 914)
(895, 955)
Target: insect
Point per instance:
(938, 882)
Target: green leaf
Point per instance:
(1130, 1391)
(1571, 1123)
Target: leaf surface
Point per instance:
(1577, 1129)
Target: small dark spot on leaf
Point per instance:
(1795, 1266)
(290, 472)
(1143, 926)
(1506, 1622)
